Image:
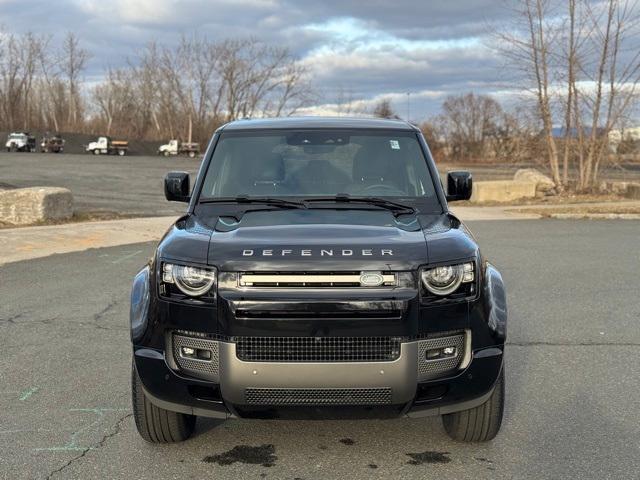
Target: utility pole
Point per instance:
(408, 106)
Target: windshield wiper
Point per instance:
(395, 207)
(276, 202)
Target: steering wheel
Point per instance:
(381, 186)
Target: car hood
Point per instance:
(318, 239)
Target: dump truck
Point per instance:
(107, 146)
(174, 147)
(21, 142)
(52, 144)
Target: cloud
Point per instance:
(371, 49)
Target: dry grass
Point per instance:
(562, 199)
(585, 210)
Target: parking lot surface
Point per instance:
(572, 376)
(132, 185)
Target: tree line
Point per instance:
(40, 82)
(163, 92)
(574, 71)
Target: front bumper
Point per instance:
(397, 384)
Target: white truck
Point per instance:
(21, 142)
(174, 147)
(107, 146)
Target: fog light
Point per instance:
(440, 353)
(197, 353)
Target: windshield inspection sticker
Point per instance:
(395, 145)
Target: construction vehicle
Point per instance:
(174, 147)
(52, 143)
(107, 146)
(21, 142)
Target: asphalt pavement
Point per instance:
(572, 406)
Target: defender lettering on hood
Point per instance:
(329, 252)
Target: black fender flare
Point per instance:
(495, 301)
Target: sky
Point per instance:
(414, 53)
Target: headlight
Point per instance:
(447, 279)
(192, 281)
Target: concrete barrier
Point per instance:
(502, 191)
(26, 206)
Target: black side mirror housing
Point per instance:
(176, 187)
(459, 186)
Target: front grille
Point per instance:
(318, 349)
(314, 279)
(428, 369)
(386, 314)
(317, 396)
(207, 369)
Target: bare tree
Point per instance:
(582, 60)
(383, 109)
(12, 78)
(260, 79)
(616, 76)
(470, 123)
(117, 101)
(528, 49)
(73, 60)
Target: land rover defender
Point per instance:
(318, 268)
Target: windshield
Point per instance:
(16, 136)
(319, 163)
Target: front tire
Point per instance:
(154, 424)
(479, 424)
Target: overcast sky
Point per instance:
(358, 50)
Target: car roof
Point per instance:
(287, 123)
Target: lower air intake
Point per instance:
(205, 369)
(317, 396)
(437, 367)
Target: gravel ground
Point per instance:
(111, 186)
(101, 185)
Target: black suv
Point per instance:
(318, 267)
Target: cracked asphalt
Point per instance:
(572, 406)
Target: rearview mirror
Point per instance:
(176, 187)
(459, 186)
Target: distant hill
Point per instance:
(558, 132)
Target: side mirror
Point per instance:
(459, 186)
(176, 187)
